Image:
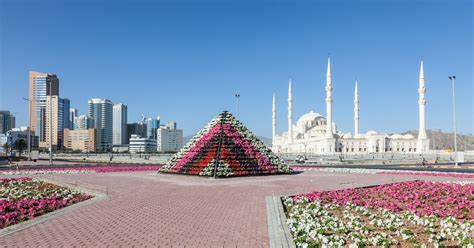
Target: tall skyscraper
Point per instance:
(151, 126)
(7, 121)
(64, 105)
(59, 110)
(73, 113)
(41, 85)
(120, 124)
(101, 112)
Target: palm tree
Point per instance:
(20, 145)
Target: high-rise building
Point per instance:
(120, 124)
(7, 121)
(64, 108)
(101, 112)
(151, 126)
(139, 128)
(82, 122)
(41, 85)
(59, 110)
(73, 113)
(169, 138)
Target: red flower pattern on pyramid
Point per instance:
(227, 148)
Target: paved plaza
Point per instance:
(164, 210)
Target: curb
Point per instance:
(45, 217)
(278, 233)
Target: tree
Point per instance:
(6, 146)
(20, 145)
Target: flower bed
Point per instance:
(410, 214)
(24, 198)
(98, 169)
(382, 171)
(225, 147)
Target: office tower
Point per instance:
(73, 113)
(7, 121)
(151, 126)
(101, 112)
(59, 110)
(41, 85)
(169, 138)
(64, 107)
(139, 128)
(120, 124)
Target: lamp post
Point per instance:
(51, 123)
(28, 129)
(238, 102)
(453, 79)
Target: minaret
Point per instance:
(329, 133)
(273, 119)
(421, 104)
(290, 113)
(356, 110)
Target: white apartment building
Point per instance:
(119, 124)
(141, 145)
(169, 138)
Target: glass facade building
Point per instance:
(151, 126)
(101, 113)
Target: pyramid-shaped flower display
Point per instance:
(225, 148)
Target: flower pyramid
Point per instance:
(224, 148)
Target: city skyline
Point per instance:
(253, 63)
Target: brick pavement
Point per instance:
(163, 210)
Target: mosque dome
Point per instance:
(309, 117)
(396, 136)
(371, 132)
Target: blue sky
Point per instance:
(185, 60)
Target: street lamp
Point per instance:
(29, 129)
(238, 101)
(51, 123)
(453, 79)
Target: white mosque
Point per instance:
(314, 134)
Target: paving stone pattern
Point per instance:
(164, 210)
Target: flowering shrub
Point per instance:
(227, 147)
(411, 214)
(25, 198)
(76, 170)
(382, 171)
(429, 173)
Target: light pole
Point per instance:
(453, 79)
(28, 129)
(51, 123)
(238, 102)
